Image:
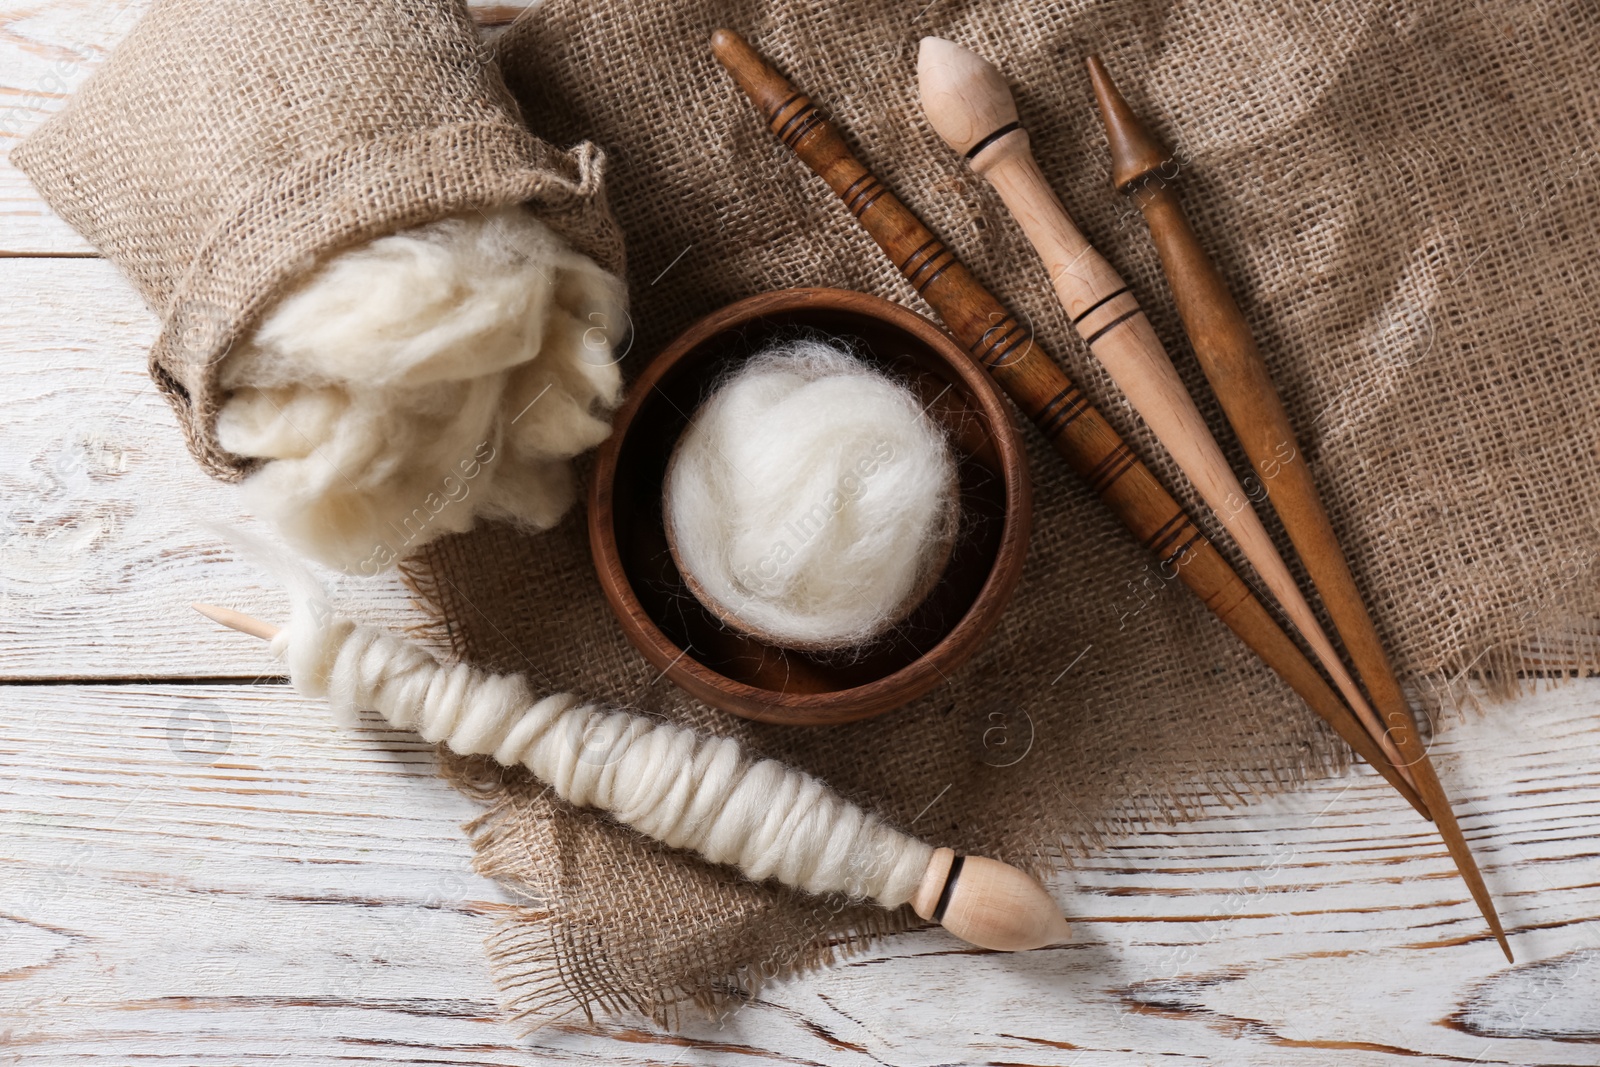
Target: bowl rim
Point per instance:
(891, 690)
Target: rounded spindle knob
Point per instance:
(988, 903)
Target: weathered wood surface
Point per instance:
(203, 871)
(100, 504)
(98, 501)
(216, 874)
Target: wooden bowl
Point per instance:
(738, 672)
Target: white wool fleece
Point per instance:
(412, 384)
(811, 498)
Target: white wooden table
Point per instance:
(195, 867)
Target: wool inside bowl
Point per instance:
(739, 672)
(813, 501)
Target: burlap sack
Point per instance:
(1403, 199)
(224, 147)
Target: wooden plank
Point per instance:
(212, 874)
(215, 875)
(46, 50)
(99, 500)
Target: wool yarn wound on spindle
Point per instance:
(811, 501)
(685, 789)
(413, 384)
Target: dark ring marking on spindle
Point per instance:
(930, 279)
(1160, 546)
(972, 153)
(772, 116)
(934, 253)
(1120, 460)
(806, 108)
(812, 121)
(1181, 549)
(1023, 337)
(861, 208)
(993, 338)
(996, 334)
(858, 200)
(1108, 327)
(850, 189)
(915, 275)
(1112, 467)
(1167, 530)
(1066, 417)
(857, 187)
(949, 888)
(944, 258)
(1127, 465)
(1092, 308)
(1062, 411)
(1105, 461)
(807, 116)
(1060, 397)
(775, 120)
(905, 267)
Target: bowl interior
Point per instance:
(641, 541)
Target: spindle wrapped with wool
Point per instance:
(684, 789)
(811, 501)
(410, 385)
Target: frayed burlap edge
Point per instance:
(548, 963)
(547, 975)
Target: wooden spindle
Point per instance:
(1035, 382)
(237, 620)
(1227, 352)
(982, 901)
(969, 104)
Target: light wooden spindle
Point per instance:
(969, 104)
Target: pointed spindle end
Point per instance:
(966, 99)
(1486, 905)
(1134, 150)
(988, 903)
(238, 620)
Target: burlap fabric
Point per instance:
(225, 146)
(1403, 198)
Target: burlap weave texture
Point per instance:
(225, 147)
(1402, 197)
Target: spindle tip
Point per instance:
(237, 620)
(765, 87)
(1134, 150)
(966, 99)
(725, 42)
(988, 903)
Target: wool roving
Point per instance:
(811, 500)
(412, 384)
(684, 789)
